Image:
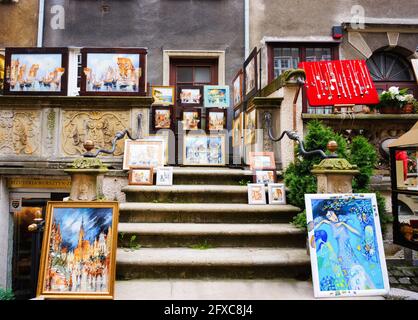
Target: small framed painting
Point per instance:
(204, 150)
(250, 126)
(191, 119)
(164, 176)
(143, 153)
(250, 75)
(237, 88)
(237, 126)
(113, 71)
(189, 96)
(163, 95)
(216, 119)
(140, 176)
(264, 176)
(36, 71)
(277, 193)
(216, 96)
(256, 193)
(346, 245)
(262, 161)
(162, 118)
(2, 68)
(78, 257)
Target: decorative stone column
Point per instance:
(334, 175)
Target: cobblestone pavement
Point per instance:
(403, 277)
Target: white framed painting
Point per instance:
(256, 193)
(143, 152)
(164, 176)
(346, 246)
(277, 193)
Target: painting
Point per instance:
(140, 176)
(250, 75)
(116, 71)
(162, 118)
(237, 88)
(79, 250)
(191, 119)
(163, 95)
(36, 71)
(346, 245)
(262, 160)
(204, 150)
(2, 68)
(237, 125)
(216, 96)
(256, 193)
(250, 126)
(165, 136)
(143, 153)
(216, 119)
(164, 176)
(189, 96)
(277, 193)
(264, 176)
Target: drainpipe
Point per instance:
(247, 27)
(41, 23)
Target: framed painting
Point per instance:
(264, 176)
(164, 176)
(204, 150)
(346, 246)
(36, 71)
(256, 193)
(250, 75)
(165, 136)
(162, 118)
(113, 71)
(189, 96)
(191, 118)
(78, 257)
(143, 153)
(216, 96)
(262, 161)
(2, 68)
(277, 193)
(163, 95)
(237, 88)
(216, 119)
(250, 125)
(237, 126)
(141, 176)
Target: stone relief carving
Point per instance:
(99, 126)
(20, 132)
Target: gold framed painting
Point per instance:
(141, 176)
(78, 258)
(144, 153)
(163, 95)
(237, 125)
(250, 126)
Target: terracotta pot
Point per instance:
(408, 108)
(389, 109)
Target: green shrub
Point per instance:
(6, 294)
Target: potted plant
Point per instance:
(410, 104)
(393, 100)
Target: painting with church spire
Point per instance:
(79, 247)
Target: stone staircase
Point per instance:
(203, 228)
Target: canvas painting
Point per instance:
(204, 150)
(191, 120)
(250, 127)
(237, 89)
(216, 96)
(262, 160)
(216, 120)
(277, 194)
(190, 95)
(250, 77)
(163, 95)
(79, 250)
(143, 153)
(346, 245)
(164, 176)
(237, 131)
(162, 118)
(256, 193)
(266, 177)
(141, 176)
(165, 136)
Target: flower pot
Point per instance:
(388, 109)
(408, 108)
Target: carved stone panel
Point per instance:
(99, 126)
(20, 132)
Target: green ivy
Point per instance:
(6, 294)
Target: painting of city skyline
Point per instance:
(79, 249)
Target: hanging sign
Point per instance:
(339, 82)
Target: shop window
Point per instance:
(193, 71)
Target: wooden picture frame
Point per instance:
(187, 96)
(141, 175)
(216, 96)
(124, 73)
(237, 88)
(144, 153)
(2, 69)
(194, 155)
(159, 118)
(36, 71)
(250, 86)
(193, 115)
(80, 254)
(250, 126)
(265, 176)
(163, 95)
(215, 125)
(165, 136)
(262, 160)
(276, 193)
(164, 176)
(237, 130)
(256, 193)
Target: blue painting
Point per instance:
(216, 96)
(346, 245)
(204, 150)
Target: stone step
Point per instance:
(212, 263)
(187, 194)
(205, 212)
(210, 235)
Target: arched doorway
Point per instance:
(392, 68)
